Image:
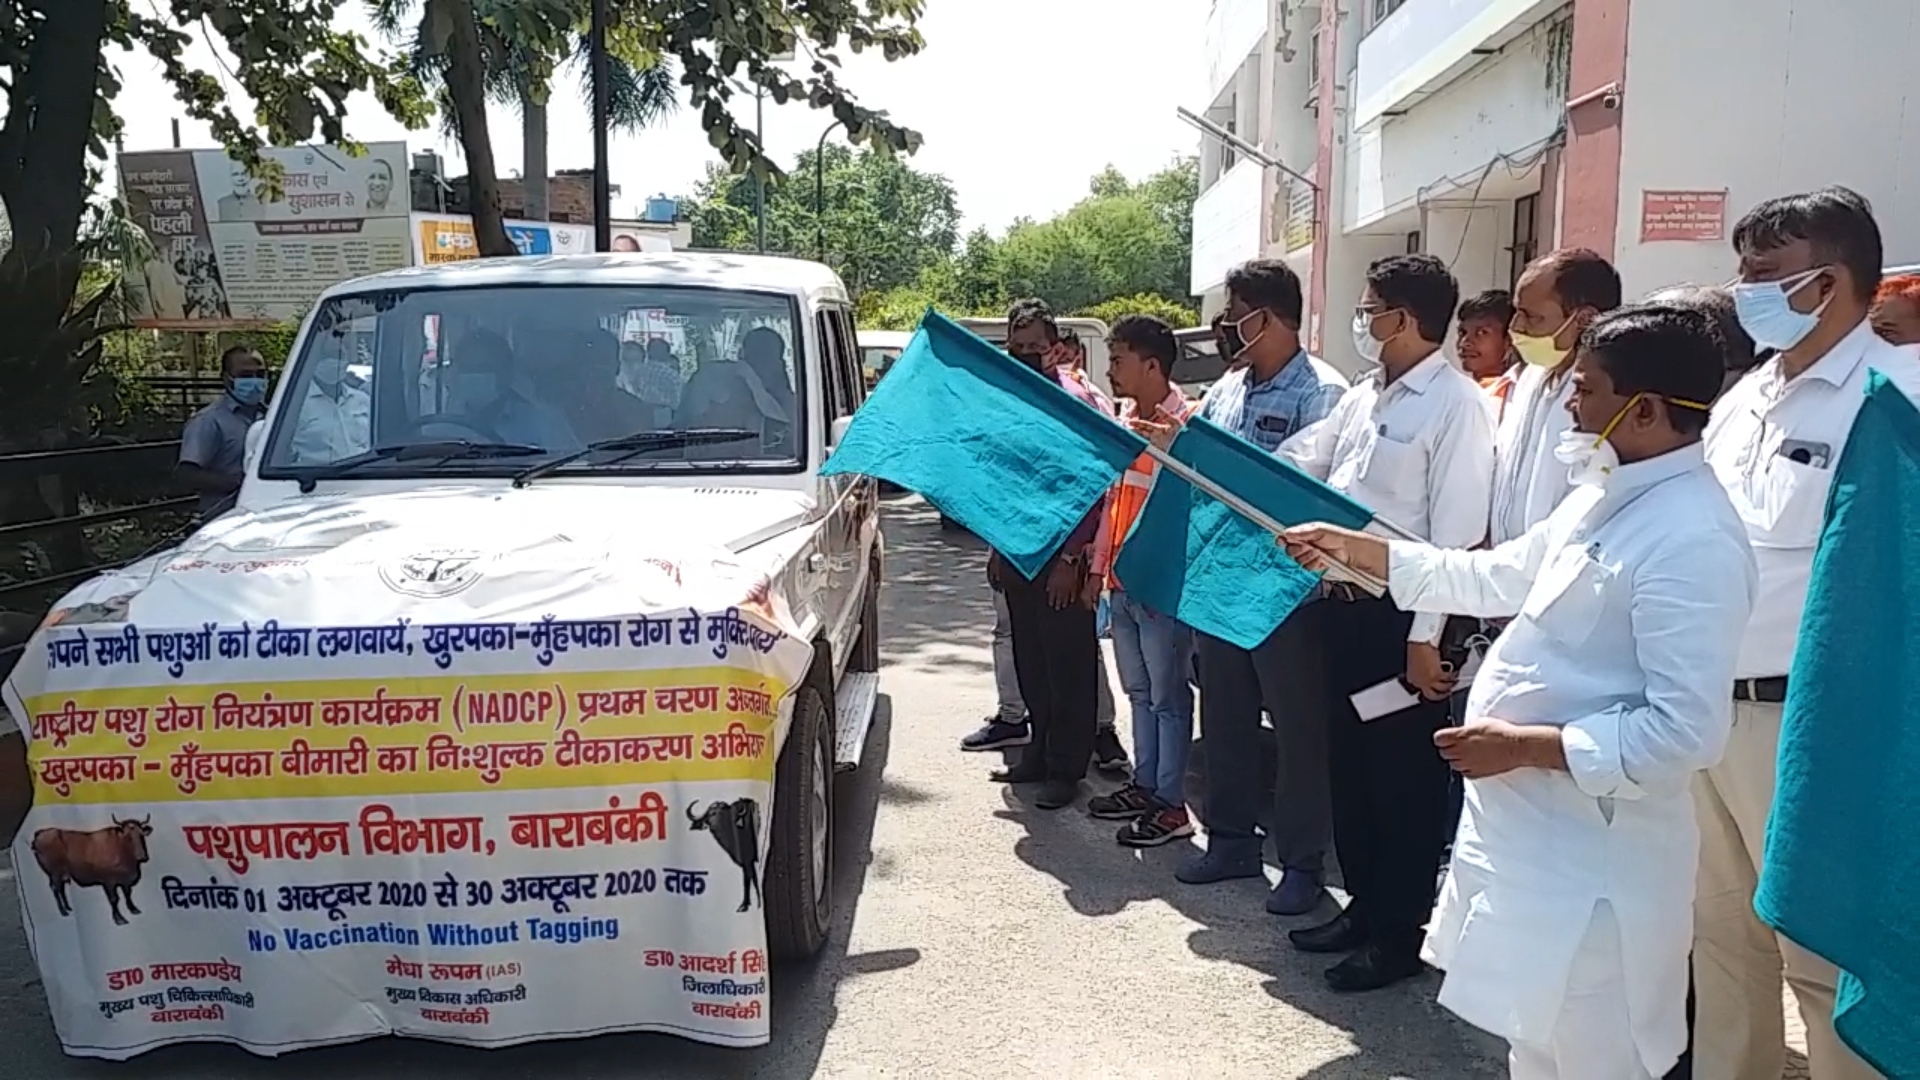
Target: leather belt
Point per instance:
(1769, 691)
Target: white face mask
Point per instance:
(1368, 346)
(1588, 460)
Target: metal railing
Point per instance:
(137, 466)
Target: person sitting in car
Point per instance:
(492, 395)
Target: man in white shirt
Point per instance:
(1559, 295)
(1809, 265)
(1414, 443)
(334, 419)
(1565, 920)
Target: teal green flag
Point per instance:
(1842, 868)
(1191, 556)
(995, 445)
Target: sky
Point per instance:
(1020, 102)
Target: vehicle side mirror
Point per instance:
(838, 430)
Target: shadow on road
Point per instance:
(804, 999)
(1426, 1043)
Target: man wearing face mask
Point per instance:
(1809, 265)
(334, 418)
(1565, 920)
(1559, 294)
(213, 445)
(1055, 650)
(1413, 442)
(1279, 390)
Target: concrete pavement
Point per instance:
(975, 936)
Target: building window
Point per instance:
(1526, 237)
(1227, 153)
(1414, 242)
(1313, 60)
(1384, 8)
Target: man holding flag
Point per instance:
(1153, 650)
(1565, 922)
(1055, 649)
(1414, 443)
(1277, 391)
(1809, 266)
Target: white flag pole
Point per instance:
(1373, 586)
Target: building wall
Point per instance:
(1765, 98)
(1484, 131)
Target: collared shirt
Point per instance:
(215, 439)
(1627, 602)
(1129, 494)
(332, 426)
(1528, 480)
(1085, 533)
(1418, 453)
(1758, 431)
(1265, 414)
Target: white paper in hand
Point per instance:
(1383, 699)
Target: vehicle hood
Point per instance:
(460, 552)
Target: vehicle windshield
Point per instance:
(557, 368)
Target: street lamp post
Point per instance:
(820, 194)
(760, 175)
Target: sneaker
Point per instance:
(1123, 805)
(1108, 754)
(1156, 827)
(997, 734)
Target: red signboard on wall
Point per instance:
(1695, 216)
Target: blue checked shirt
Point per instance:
(1264, 414)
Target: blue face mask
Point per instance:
(1767, 315)
(249, 389)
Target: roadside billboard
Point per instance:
(225, 257)
(445, 238)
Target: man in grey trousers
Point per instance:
(1008, 727)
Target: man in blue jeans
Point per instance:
(1153, 650)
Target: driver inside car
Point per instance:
(491, 394)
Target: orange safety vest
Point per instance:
(1130, 495)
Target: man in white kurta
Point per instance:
(1566, 918)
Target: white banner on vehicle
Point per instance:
(502, 802)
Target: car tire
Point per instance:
(866, 650)
(799, 880)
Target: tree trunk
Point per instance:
(43, 146)
(533, 175)
(466, 85)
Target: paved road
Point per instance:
(976, 937)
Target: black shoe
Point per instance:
(1056, 794)
(1371, 969)
(997, 735)
(1108, 754)
(1340, 935)
(1019, 774)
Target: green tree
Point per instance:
(1125, 248)
(520, 74)
(884, 223)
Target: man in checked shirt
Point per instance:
(1272, 390)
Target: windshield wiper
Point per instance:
(445, 450)
(639, 443)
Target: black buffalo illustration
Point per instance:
(109, 858)
(736, 828)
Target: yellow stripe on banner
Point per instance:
(387, 737)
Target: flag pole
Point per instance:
(1373, 586)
